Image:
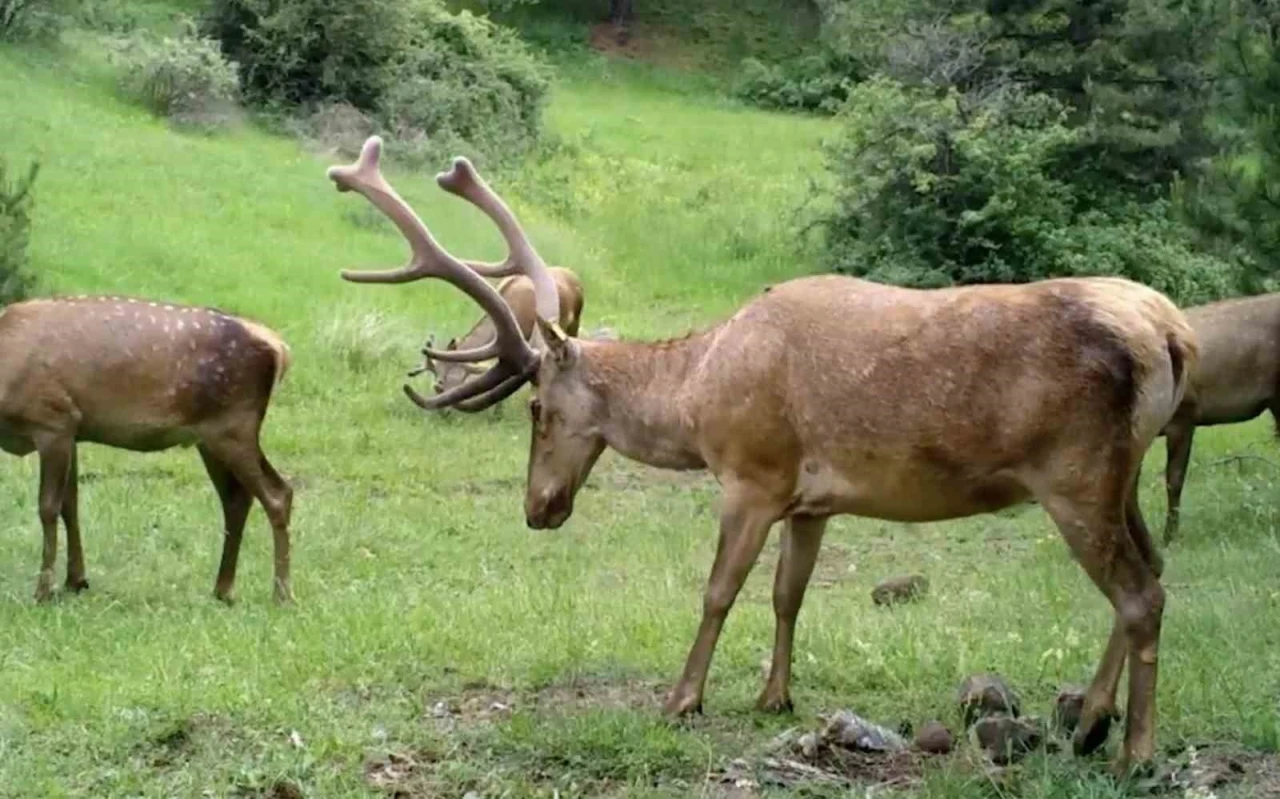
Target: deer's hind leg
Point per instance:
(1096, 524)
(76, 580)
(236, 503)
(57, 452)
(237, 449)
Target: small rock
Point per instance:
(808, 744)
(851, 731)
(1005, 738)
(934, 738)
(900, 589)
(986, 695)
(1067, 709)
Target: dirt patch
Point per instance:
(833, 767)
(643, 42)
(404, 774)
(1218, 768)
(482, 703)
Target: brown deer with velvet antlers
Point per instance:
(831, 395)
(142, 376)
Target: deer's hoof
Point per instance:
(44, 587)
(679, 706)
(1092, 732)
(775, 704)
(77, 585)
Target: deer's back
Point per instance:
(129, 373)
(927, 404)
(1239, 369)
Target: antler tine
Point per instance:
(479, 402)
(516, 357)
(488, 386)
(463, 181)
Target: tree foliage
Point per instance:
(1010, 140)
(16, 203)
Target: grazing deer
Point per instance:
(832, 395)
(142, 376)
(1238, 377)
(517, 292)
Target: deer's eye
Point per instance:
(535, 409)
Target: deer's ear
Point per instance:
(561, 347)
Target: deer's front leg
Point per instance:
(801, 540)
(743, 530)
(56, 454)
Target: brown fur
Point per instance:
(141, 376)
(831, 395)
(1238, 377)
(517, 291)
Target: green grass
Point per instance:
(418, 583)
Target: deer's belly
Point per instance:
(139, 438)
(910, 495)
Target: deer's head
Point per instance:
(565, 436)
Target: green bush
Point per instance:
(21, 20)
(427, 77)
(818, 83)
(466, 84)
(937, 189)
(293, 52)
(15, 234)
(183, 78)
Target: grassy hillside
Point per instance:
(431, 627)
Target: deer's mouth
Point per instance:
(552, 512)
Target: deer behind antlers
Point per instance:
(142, 376)
(517, 292)
(831, 395)
(1238, 378)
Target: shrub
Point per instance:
(429, 78)
(467, 84)
(21, 20)
(15, 234)
(183, 78)
(936, 189)
(294, 52)
(818, 83)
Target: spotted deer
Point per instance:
(1238, 377)
(517, 292)
(142, 376)
(832, 395)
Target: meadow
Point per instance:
(437, 646)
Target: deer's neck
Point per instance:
(640, 386)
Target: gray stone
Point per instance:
(1067, 709)
(986, 695)
(851, 731)
(1006, 739)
